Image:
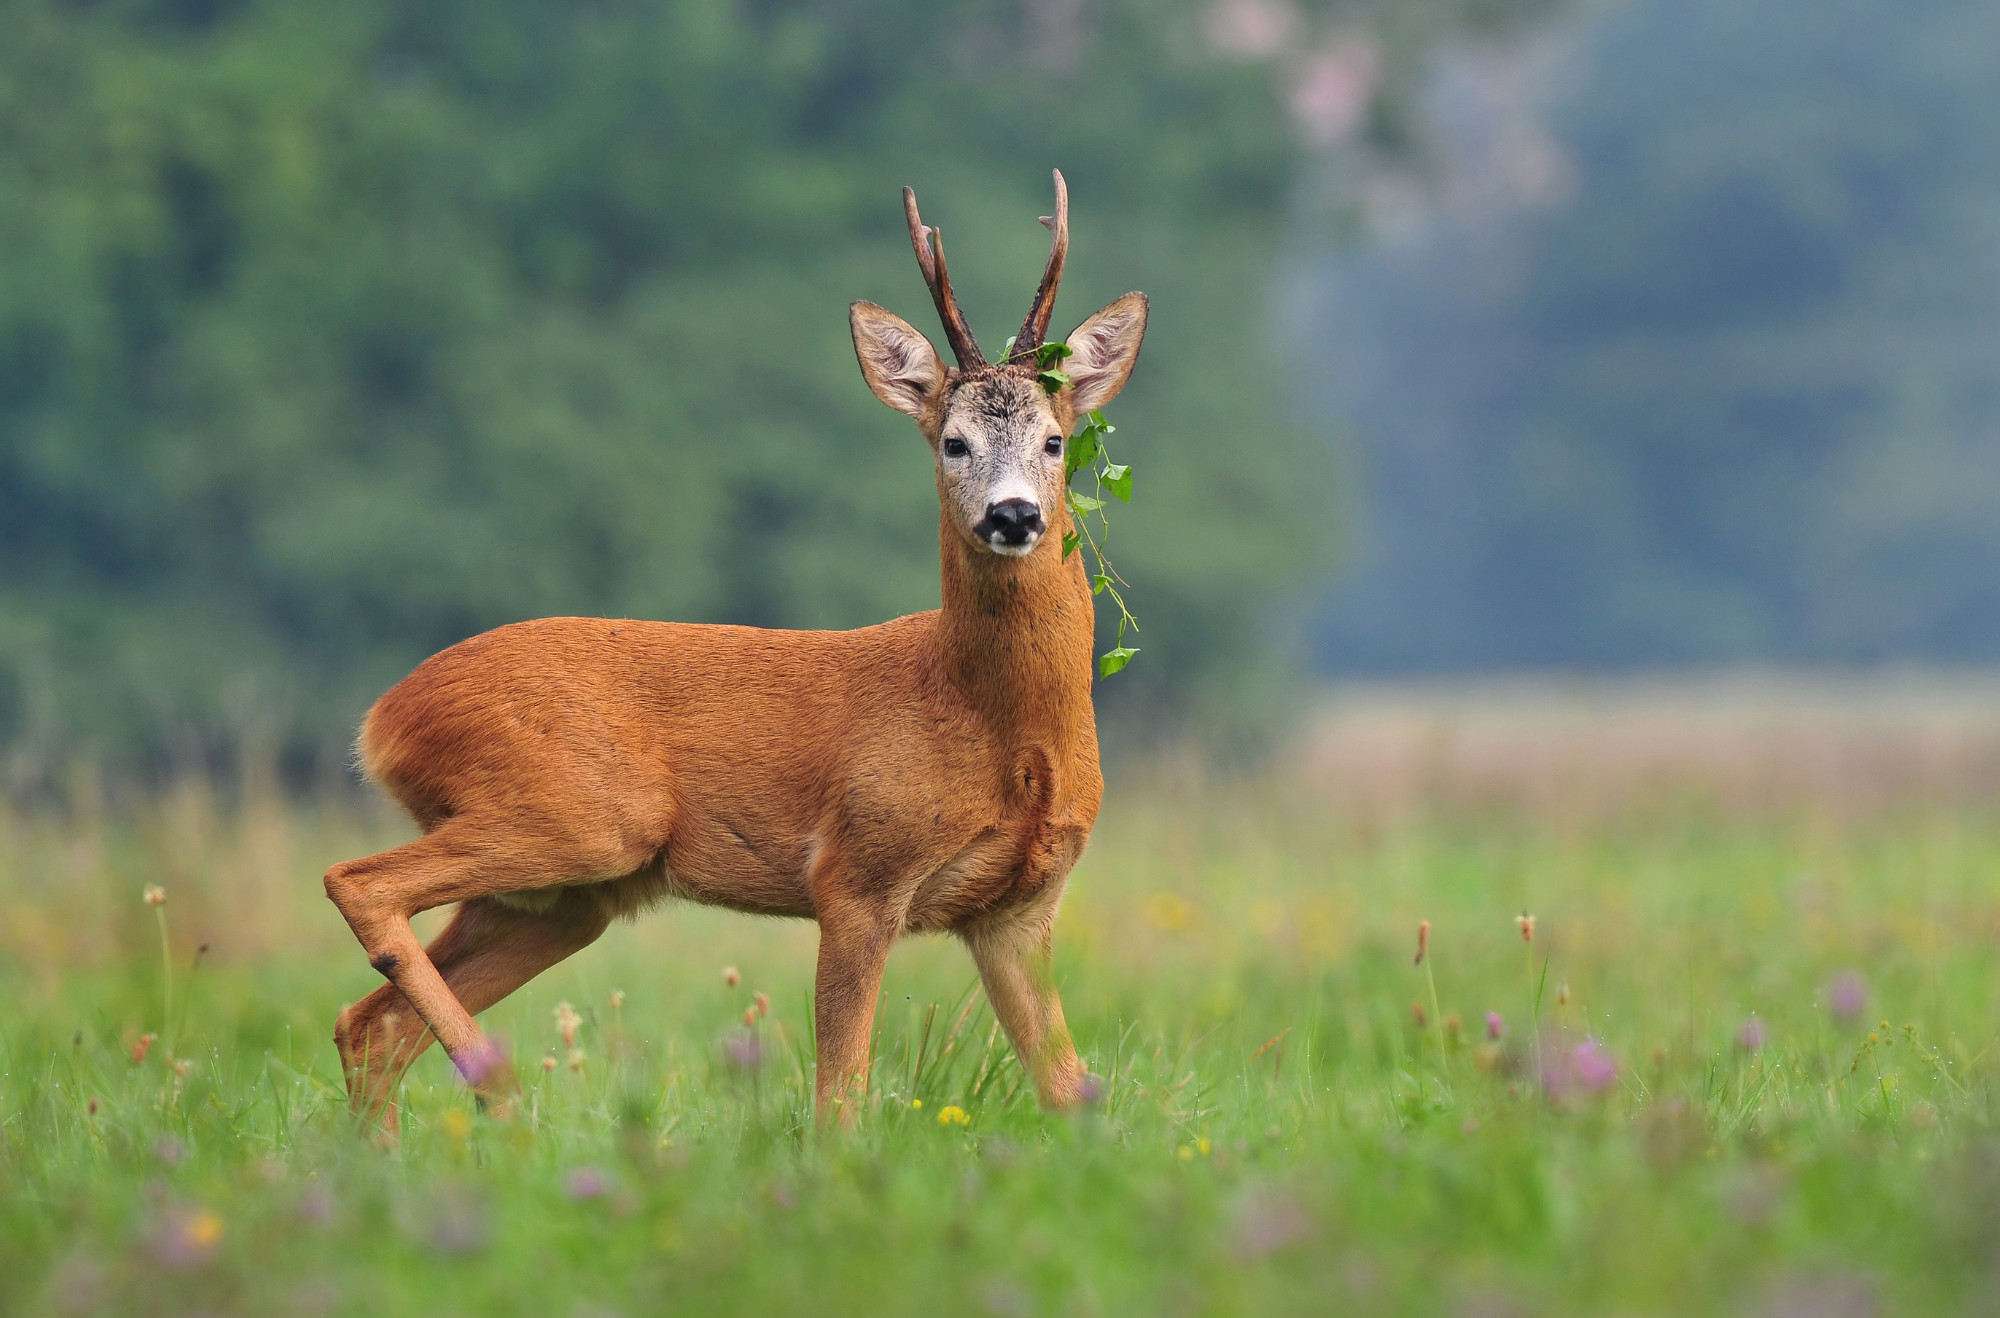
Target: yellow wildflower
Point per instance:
(204, 1229)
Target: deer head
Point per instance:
(996, 434)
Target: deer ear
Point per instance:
(1104, 349)
(899, 364)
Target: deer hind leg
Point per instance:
(1016, 963)
(486, 952)
(461, 861)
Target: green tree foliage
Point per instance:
(331, 333)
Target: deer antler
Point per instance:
(922, 236)
(1037, 324)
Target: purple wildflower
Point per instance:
(1588, 1068)
(1847, 996)
(744, 1050)
(587, 1183)
(1595, 1069)
(1751, 1034)
(487, 1060)
(1496, 1027)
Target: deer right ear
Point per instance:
(899, 364)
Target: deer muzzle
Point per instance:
(1011, 526)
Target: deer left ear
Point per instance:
(1103, 351)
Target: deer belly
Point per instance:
(718, 865)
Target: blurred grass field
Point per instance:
(1759, 1079)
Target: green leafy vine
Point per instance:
(1088, 451)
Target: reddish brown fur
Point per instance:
(934, 773)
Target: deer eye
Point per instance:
(1053, 444)
(954, 447)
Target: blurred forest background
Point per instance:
(1695, 360)
(1487, 333)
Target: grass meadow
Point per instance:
(1746, 1064)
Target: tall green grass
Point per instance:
(1287, 1124)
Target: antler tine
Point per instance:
(1036, 326)
(922, 236)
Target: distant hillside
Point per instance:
(1731, 392)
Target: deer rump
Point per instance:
(732, 766)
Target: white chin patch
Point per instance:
(1006, 550)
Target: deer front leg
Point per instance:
(1016, 963)
(853, 950)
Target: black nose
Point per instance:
(1012, 521)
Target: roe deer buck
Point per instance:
(937, 772)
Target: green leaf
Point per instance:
(1118, 480)
(1082, 452)
(1112, 660)
(1048, 354)
(1097, 420)
(1083, 503)
(1069, 543)
(1053, 381)
(1007, 348)
(1099, 584)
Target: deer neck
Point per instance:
(1017, 635)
